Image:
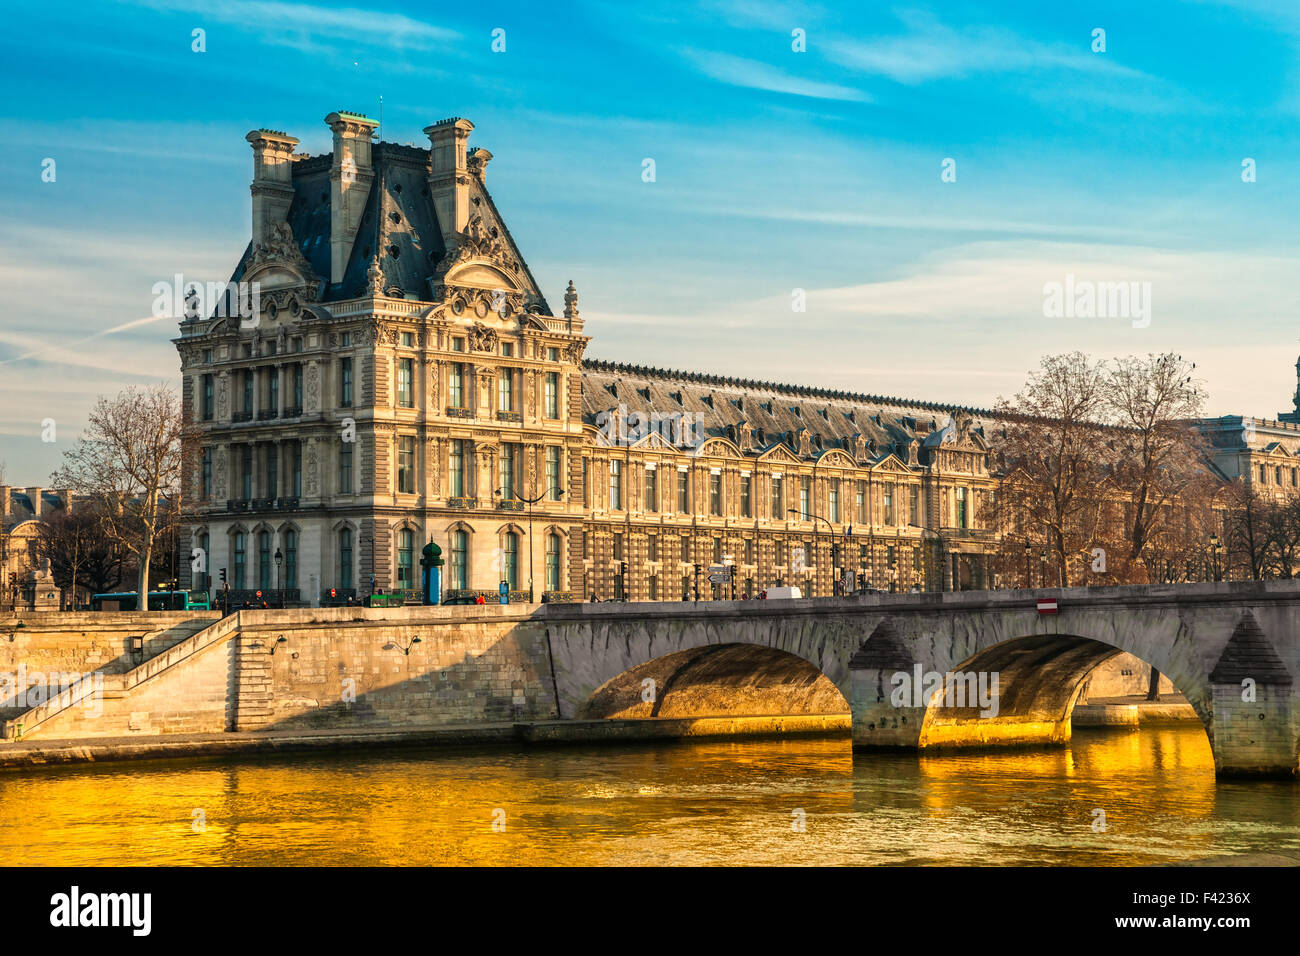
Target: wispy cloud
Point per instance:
(739, 71)
(931, 50)
(301, 24)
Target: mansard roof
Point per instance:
(399, 225)
(805, 422)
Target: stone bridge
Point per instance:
(973, 668)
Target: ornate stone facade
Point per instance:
(405, 381)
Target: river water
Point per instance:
(732, 802)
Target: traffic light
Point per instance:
(333, 593)
(223, 575)
(622, 569)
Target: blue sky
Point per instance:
(775, 170)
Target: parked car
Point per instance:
(463, 599)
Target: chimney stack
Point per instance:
(449, 174)
(272, 186)
(350, 178)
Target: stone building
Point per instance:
(25, 578)
(400, 377)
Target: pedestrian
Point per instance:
(594, 599)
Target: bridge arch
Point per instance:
(1020, 690)
(718, 680)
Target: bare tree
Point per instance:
(1158, 458)
(129, 460)
(81, 555)
(1052, 443)
(1245, 527)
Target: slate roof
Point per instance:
(398, 223)
(775, 412)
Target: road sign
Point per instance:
(719, 569)
(1047, 606)
(719, 578)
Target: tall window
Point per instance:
(207, 473)
(297, 384)
(246, 472)
(715, 494)
(272, 471)
(889, 504)
(746, 509)
(834, 500)
(683, 492)
(961, 508)
(618, 547)
(208, 403)
(248, 390)
(291, 559)
(551, 395)
(506, 390)
(405, 377)
(456, 468)
(273, 388)
(805, 496)
(405, 554)
(586, 482)
(652, 548)
(345, 558)
(240, 561)
(345, 382)
(345, 468)
(552, 562)
(406, 465)
(264, 560)
(295, 481)
(653, 587)
(455, 386)
(553, 472)
(778, 505)
(717, 550)
(615, 485)
(651, 490)
(459, 568)
(510, 562)
(686, 549)
(914, 504)
(510, 456)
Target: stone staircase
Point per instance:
(118, 686)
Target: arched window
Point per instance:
(240, 562)
(458, 570)
(291, 559)
(552, 562)
(405, 549)
(264, 560)
(510, 566)
(345, 557)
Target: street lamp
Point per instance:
(530, 502)
(1042, 556)
(1216, 546)
(279, 559)
(1029, 578)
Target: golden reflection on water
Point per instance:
(682, 803)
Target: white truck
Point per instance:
(782, 592)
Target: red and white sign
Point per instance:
(1047, 605)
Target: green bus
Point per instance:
(158, 601)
